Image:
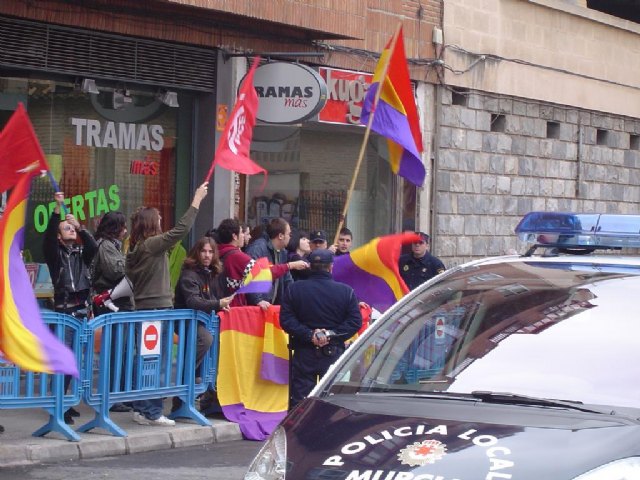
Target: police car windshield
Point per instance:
(538, 327)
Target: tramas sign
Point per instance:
(288, 92)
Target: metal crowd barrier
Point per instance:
(143, 355)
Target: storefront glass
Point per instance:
(310, 171)
(112, 150)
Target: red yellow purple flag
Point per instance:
(372, 270)
(24, 338)
(395, 115)
(259, 278)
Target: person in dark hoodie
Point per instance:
(198, 288)
(147, 267)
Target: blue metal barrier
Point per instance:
(126, 373)
(126, 369)
(24, 389)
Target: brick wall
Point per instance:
(250, 25)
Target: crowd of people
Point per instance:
(318, 313)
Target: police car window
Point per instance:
(504, 327)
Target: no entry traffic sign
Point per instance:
(150, 338)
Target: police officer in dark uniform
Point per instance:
(319, 315)
(419, 266)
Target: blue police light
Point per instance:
(580, 230)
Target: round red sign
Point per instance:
(150, 337)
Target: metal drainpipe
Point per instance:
(579, 157)
(435, 153)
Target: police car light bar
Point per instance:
(580, 230)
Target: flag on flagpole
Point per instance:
(395, 115)
(20, 151)
(259, 279)
(372, 270)
(235, 143)
(24, 338)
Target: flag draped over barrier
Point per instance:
(234, 145)
(372, 270)
(395, 115)
(253, 370)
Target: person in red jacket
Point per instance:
(236, 263)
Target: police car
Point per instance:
(520, 367)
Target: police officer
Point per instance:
(319, 314)
(419, 266)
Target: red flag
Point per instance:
(20, 151)
(235, 143)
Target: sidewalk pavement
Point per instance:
(19, 447)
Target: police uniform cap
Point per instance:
(318, 236)
(321, 256)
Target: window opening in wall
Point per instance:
(634, 142)
(553, 130)
(497, 122)
(602, 137)
(459, 97)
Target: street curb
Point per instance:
(87, 447)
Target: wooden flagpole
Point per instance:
(367, 131)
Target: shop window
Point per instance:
(104, 156)
(310, 170)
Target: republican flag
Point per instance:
(24, 338)
(20, 151)
(372, 270)
(259, 279)
(235, 143)
(395, 115)
(252, 387)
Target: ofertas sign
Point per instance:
(345, 95)
(288, 92)
(150, 338)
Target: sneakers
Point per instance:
(73, 412)
(161, 421)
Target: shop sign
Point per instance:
(288, 92)
(118, 135)
(345, 95)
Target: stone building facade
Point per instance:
(539, 110)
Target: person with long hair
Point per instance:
(147, 266)
(199, 288)
(108, 266)
(107, 271)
